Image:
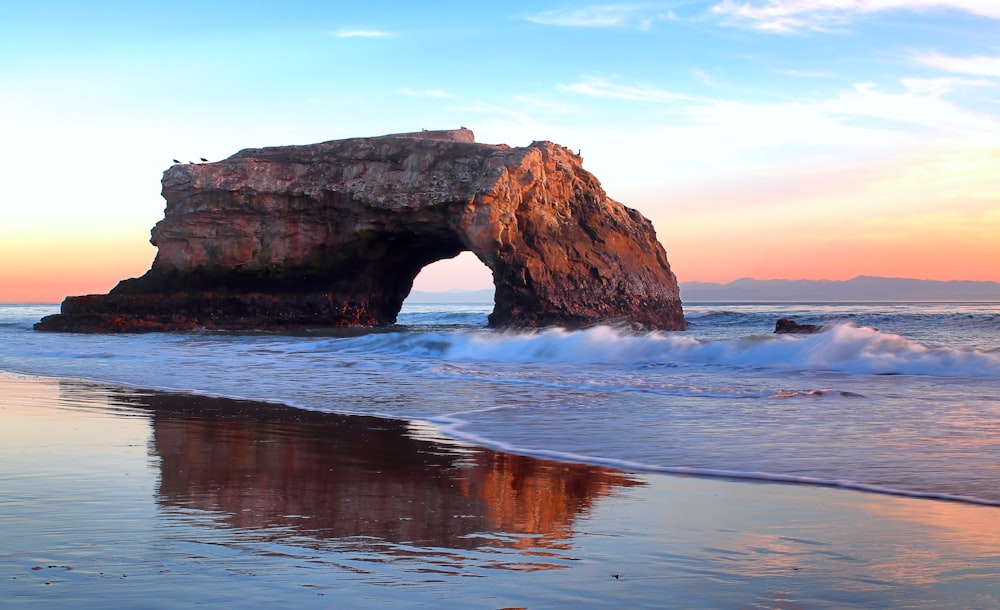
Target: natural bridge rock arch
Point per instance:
(333, 234)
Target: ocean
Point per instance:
(895, 398)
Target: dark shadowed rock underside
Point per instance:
(333, 235)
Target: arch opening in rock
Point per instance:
(463, 278)
(334, 234)
(387, 264)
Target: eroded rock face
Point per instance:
(333, 234)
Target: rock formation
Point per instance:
(784, 326)
(333, 234)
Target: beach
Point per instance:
(141, 499)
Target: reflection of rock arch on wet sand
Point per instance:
(333, 234)
(329, 476)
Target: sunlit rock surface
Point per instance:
(333, 234)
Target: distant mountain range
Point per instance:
(861, 288)
(747, 290)
(484, 295)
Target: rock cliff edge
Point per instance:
(333, 234)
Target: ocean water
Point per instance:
(900, 398)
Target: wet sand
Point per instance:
(127, 498)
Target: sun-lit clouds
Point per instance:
(921, 103)
(968, 170)
(791, 15)
(980, 65)
(708, 137)
(620, 15)
(893, 178)
(962, 228)
(361, 33)
(721, 141)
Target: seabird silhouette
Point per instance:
(204, 160)
(176, 161)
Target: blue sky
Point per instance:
(766, 138)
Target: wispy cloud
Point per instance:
(623, 15)
(979, 65)
(705, 78)
(921, 104)
(546, 105)
(791, 15)
(481, 107)
(434, 93)
(360, 33)
(937, 87)
(805, 73)
(909, 107)
(604, 88)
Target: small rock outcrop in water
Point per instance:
(786, 326)
(333, 234)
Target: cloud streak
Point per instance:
(603, 88)
(792, 15)
(721, 134)
(640, 16)
(979, 65)
(360, 33)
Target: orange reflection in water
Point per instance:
(943, 527)
(327, 476)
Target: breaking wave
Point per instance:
(843, 348)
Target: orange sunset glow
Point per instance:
(40, 271)
(808, 140)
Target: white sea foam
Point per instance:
(453, 426)
(843, 348)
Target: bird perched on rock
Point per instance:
(176, 161)
(204, 160)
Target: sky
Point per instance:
(792, 139)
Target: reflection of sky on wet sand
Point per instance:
(970, 535)
(817, 547)
(157, 500)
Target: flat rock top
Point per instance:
(457, 141)
(453, 135)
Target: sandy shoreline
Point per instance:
(111, 496)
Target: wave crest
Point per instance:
(842, 348)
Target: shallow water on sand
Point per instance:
(129, 498)
(902, 398)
